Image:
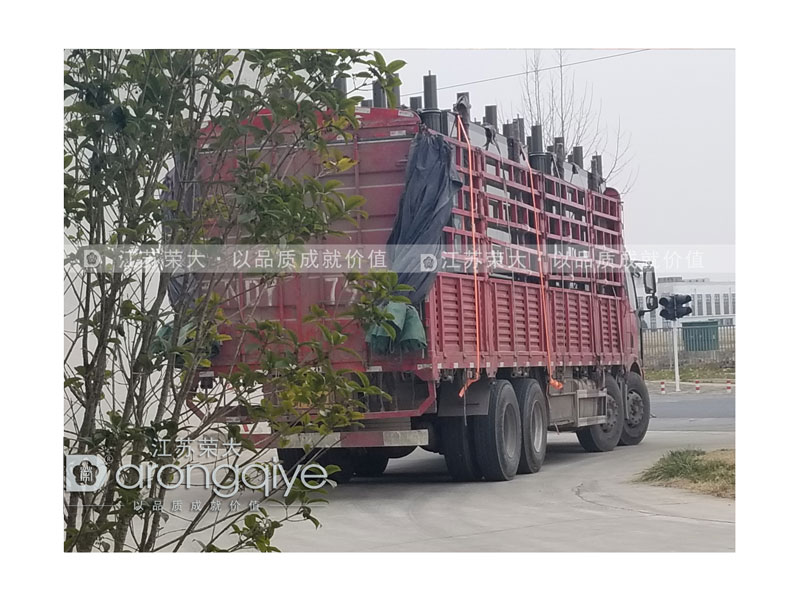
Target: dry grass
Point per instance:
(726, 456)
(705, 472)
(691, 372)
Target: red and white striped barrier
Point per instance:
(663, 387)
(728, 386)
(696, 386)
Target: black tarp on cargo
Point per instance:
(425, 207)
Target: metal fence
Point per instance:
(698, 343)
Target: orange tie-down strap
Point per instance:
(542, 283)
(474, 262)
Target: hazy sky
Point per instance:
(676, 105)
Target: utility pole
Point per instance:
(675, 356)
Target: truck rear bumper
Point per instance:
(347, 439)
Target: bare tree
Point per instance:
(553, 99)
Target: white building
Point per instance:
(711, 301)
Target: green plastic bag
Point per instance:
(409, 331)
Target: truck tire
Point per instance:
(370, 462)
(635, 426)
(458, 449)
(604, 437)
(342, 458)
(498, 435)
(535, 419)
(399, 451)
(290, 457)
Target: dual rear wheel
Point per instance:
(510, 439)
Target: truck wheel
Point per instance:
(399, 451)
(458, 449)
(498, 435)
(343, 459)
(533, 411)
(635, 426)
(604, 437)
(370, 462)
(290, 457)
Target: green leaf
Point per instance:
(395, 65)
(248, 444)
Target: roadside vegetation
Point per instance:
(703, 372)
(696, 470)
(139, 128)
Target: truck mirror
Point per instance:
(651, 302)
(649, 277)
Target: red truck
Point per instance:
(545, 337)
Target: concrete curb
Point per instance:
(688, 389)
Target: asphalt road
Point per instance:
(578, 502)
(690, 412)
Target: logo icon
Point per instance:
(427, 263)
(91, 259)
(85, 472)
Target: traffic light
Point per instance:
(680, 309)
(674, 308)
(668, 312)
